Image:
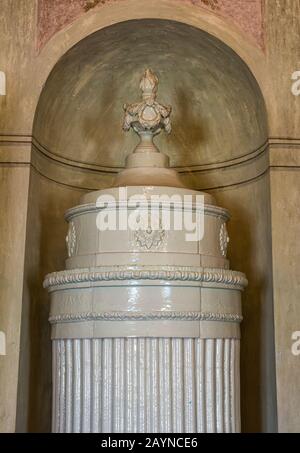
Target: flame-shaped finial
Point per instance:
(147, 116)
(149, 85)
(146, 165)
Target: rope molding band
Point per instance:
(148, 316)
(221, 276)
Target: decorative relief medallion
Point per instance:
(71, 239)
(224, 239)
(149, 239)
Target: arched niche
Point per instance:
(218, 144)
(218, 114)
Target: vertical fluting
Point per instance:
(55, 385)
(189, 386)
(210, 386)
(219, 386)
(77, 415)
(177, 385)
(106, 390)
(129, 383)
(227, 386)
(69, 384)
(118, 385)
(146, 385)
(131, 399)
(154, 385)
(134, 388)
(96, 385)
(237, 387)
(148, 388)
(141, 386)
(164, 345)
(62, 387)
(86, 386)
(233, 383)
(200, 384)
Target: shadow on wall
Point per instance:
(40, 382)
(188, 130)
(242, 256)
(98, 138)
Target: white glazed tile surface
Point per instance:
(146, 385)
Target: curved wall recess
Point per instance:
(218, 110)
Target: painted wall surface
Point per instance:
(285, 190)
(45, 252)
(53, 15)
(17, 37)
(18, 34)
(250, 250)
(283, 53)
(14, 182)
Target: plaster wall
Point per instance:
(17, 36)
(286, 281)
(283, 56)
(250, 250)
(14, 183)
(45, 252)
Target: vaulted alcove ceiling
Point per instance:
(218, 110)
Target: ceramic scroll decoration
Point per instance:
(146, 317)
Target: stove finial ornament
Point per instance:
(148, 117)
